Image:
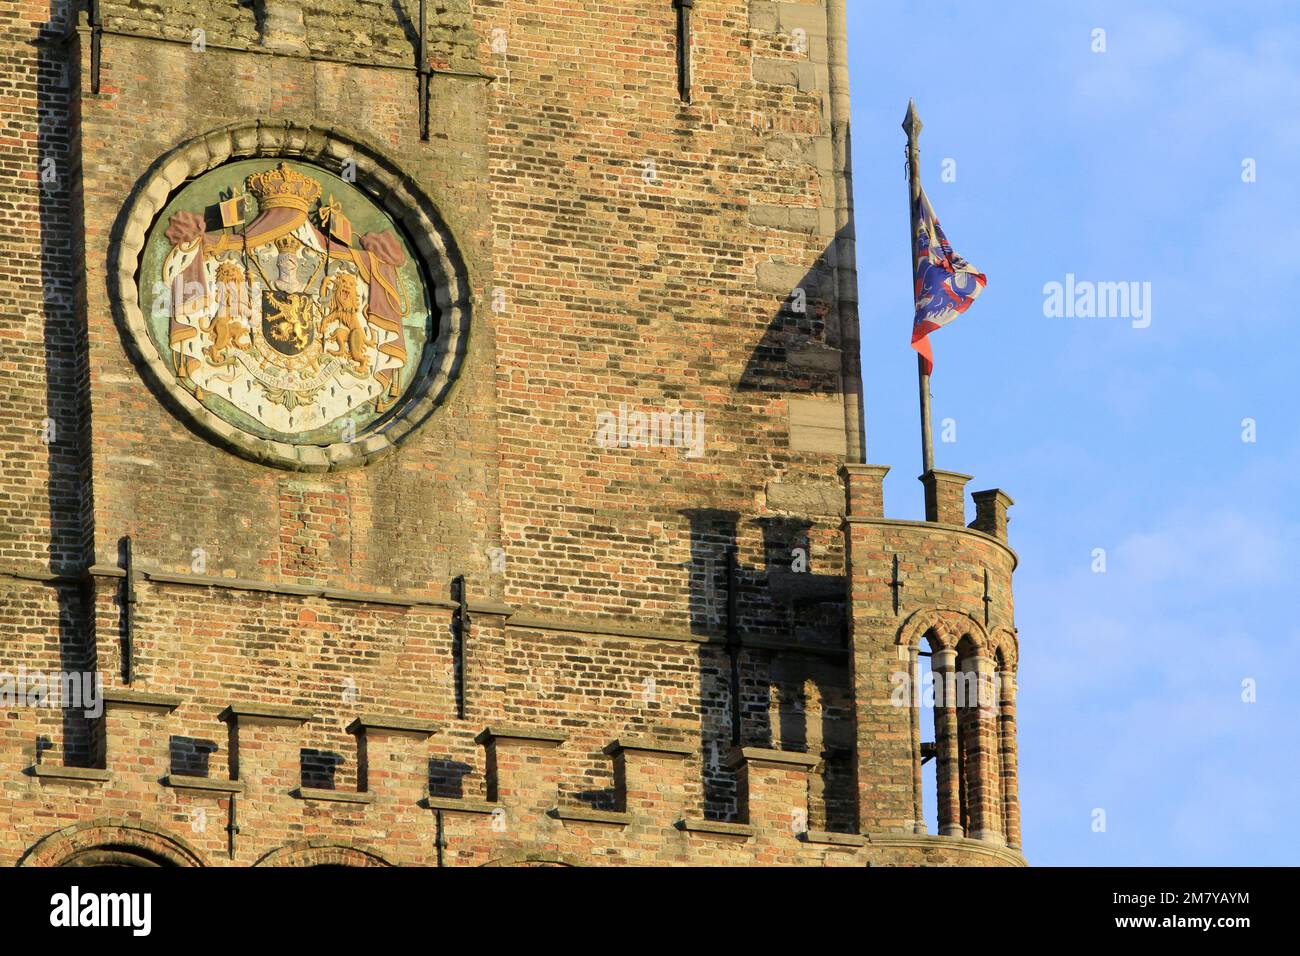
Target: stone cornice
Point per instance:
(918, 841)
(207, 784)
(585, 815)
(459, 805)
(651, 745)
(520, 618)
(266, 713)
(764, 757)
(536, 735)
(715, 827)
(393, 725)
(525, 619)
(943, 528)
(332, 796)
(284, 588)
(140, 699)
(47, 771)
(827, 838)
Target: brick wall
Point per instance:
(294, 642)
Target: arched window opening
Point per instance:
(925, 728)
(978, 744)
(115, 855)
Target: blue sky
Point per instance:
(1124, 165)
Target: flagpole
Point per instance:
(912, 127)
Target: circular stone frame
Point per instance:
(389, 189)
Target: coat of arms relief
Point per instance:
(288, 302)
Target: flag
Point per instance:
(946, 284)
(232, 211)
(331, 216)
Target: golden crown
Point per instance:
(283, 186)
(288, 244)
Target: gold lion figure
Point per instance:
(228, 326)
(352, 336)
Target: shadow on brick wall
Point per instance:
(189, 756)
(799, 350)
(447, 778)
(319, 768)
(66, 355)
(754, 616)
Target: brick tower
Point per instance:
(440, 433)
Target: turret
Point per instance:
(940, 589)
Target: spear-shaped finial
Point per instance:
(912, 127)
(912, 122)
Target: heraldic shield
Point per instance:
(289, 321)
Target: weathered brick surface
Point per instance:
(627, 255)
